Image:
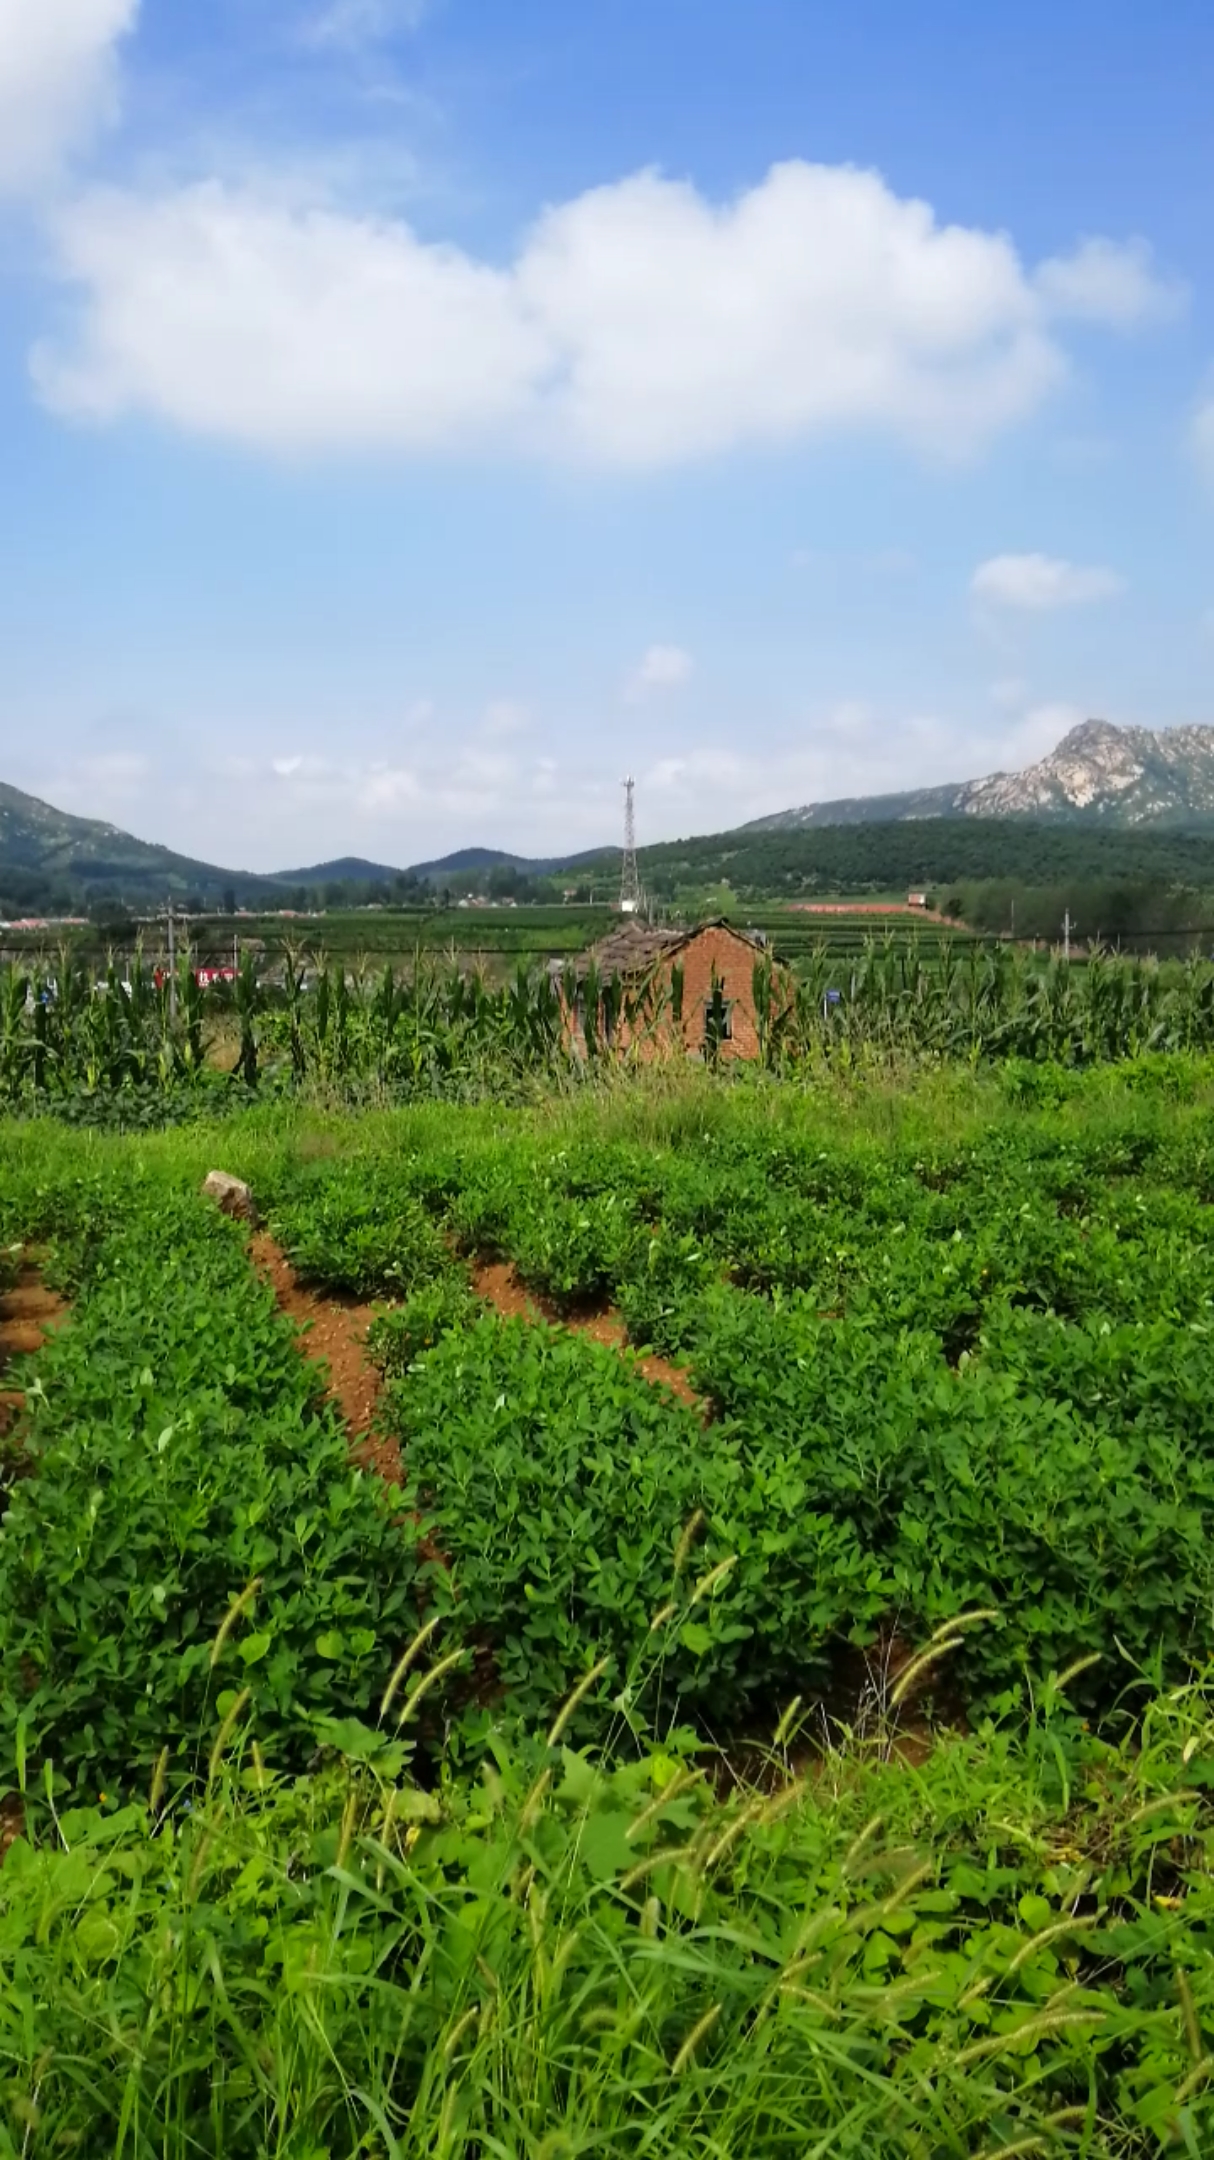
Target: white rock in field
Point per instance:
(231, 1195)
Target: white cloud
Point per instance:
(1039, 582)
(385, 790)
(235, 316)
(1109, 282)
(639, 324)
(1033, 736)
(58, 81)
(1008, 693)
(663, 667)
(227, 803)
(504, 717)
(355, 23)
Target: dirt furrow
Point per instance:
(498, 1283)
(28, 1312)
(333, 1333)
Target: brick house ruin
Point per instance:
(660, 990)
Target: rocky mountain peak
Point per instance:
(1125, 775)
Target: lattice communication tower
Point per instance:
(630, 877)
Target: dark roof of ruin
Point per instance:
(635, 947)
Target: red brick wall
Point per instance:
(733, 959)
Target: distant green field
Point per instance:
(501, 937)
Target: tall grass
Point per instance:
(1001, 1952)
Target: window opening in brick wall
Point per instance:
(718, 1019)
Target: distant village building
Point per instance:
(689, 989)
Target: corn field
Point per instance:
(68, 1034)
(996, 1001)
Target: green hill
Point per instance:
(51, 862)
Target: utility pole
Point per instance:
(1066, 936)
(172, 964)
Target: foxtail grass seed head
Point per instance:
(681, 1782)
(201, 1855)
(452, 2042)
(225, 1732)
(159, 1780)
(709, 1584)
(699, 2032)
(730, 1835)
(921, 1664)
(1188, 2012)
(862, 1838)
(688, 1536)
(534, 1803)
(787, 1722)
(1161, 1802)
(428, 1680)
(1033, 2029)
(235, 1612)
(677, 1856)
(1081, 1665)
(344, 1841)
(580, 1692)
(1071, 1924)
(403, 1664)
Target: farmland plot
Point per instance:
(949, 1446)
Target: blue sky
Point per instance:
(415, 415)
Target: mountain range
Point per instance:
(1100, 776)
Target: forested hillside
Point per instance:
(934, 852)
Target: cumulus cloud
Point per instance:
(1108, 282)
(58, 81)
(238, 317)
(638, 324)
(1040, 582)
(663, 667)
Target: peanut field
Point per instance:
(748, 1689)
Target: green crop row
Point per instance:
(178, 1453)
